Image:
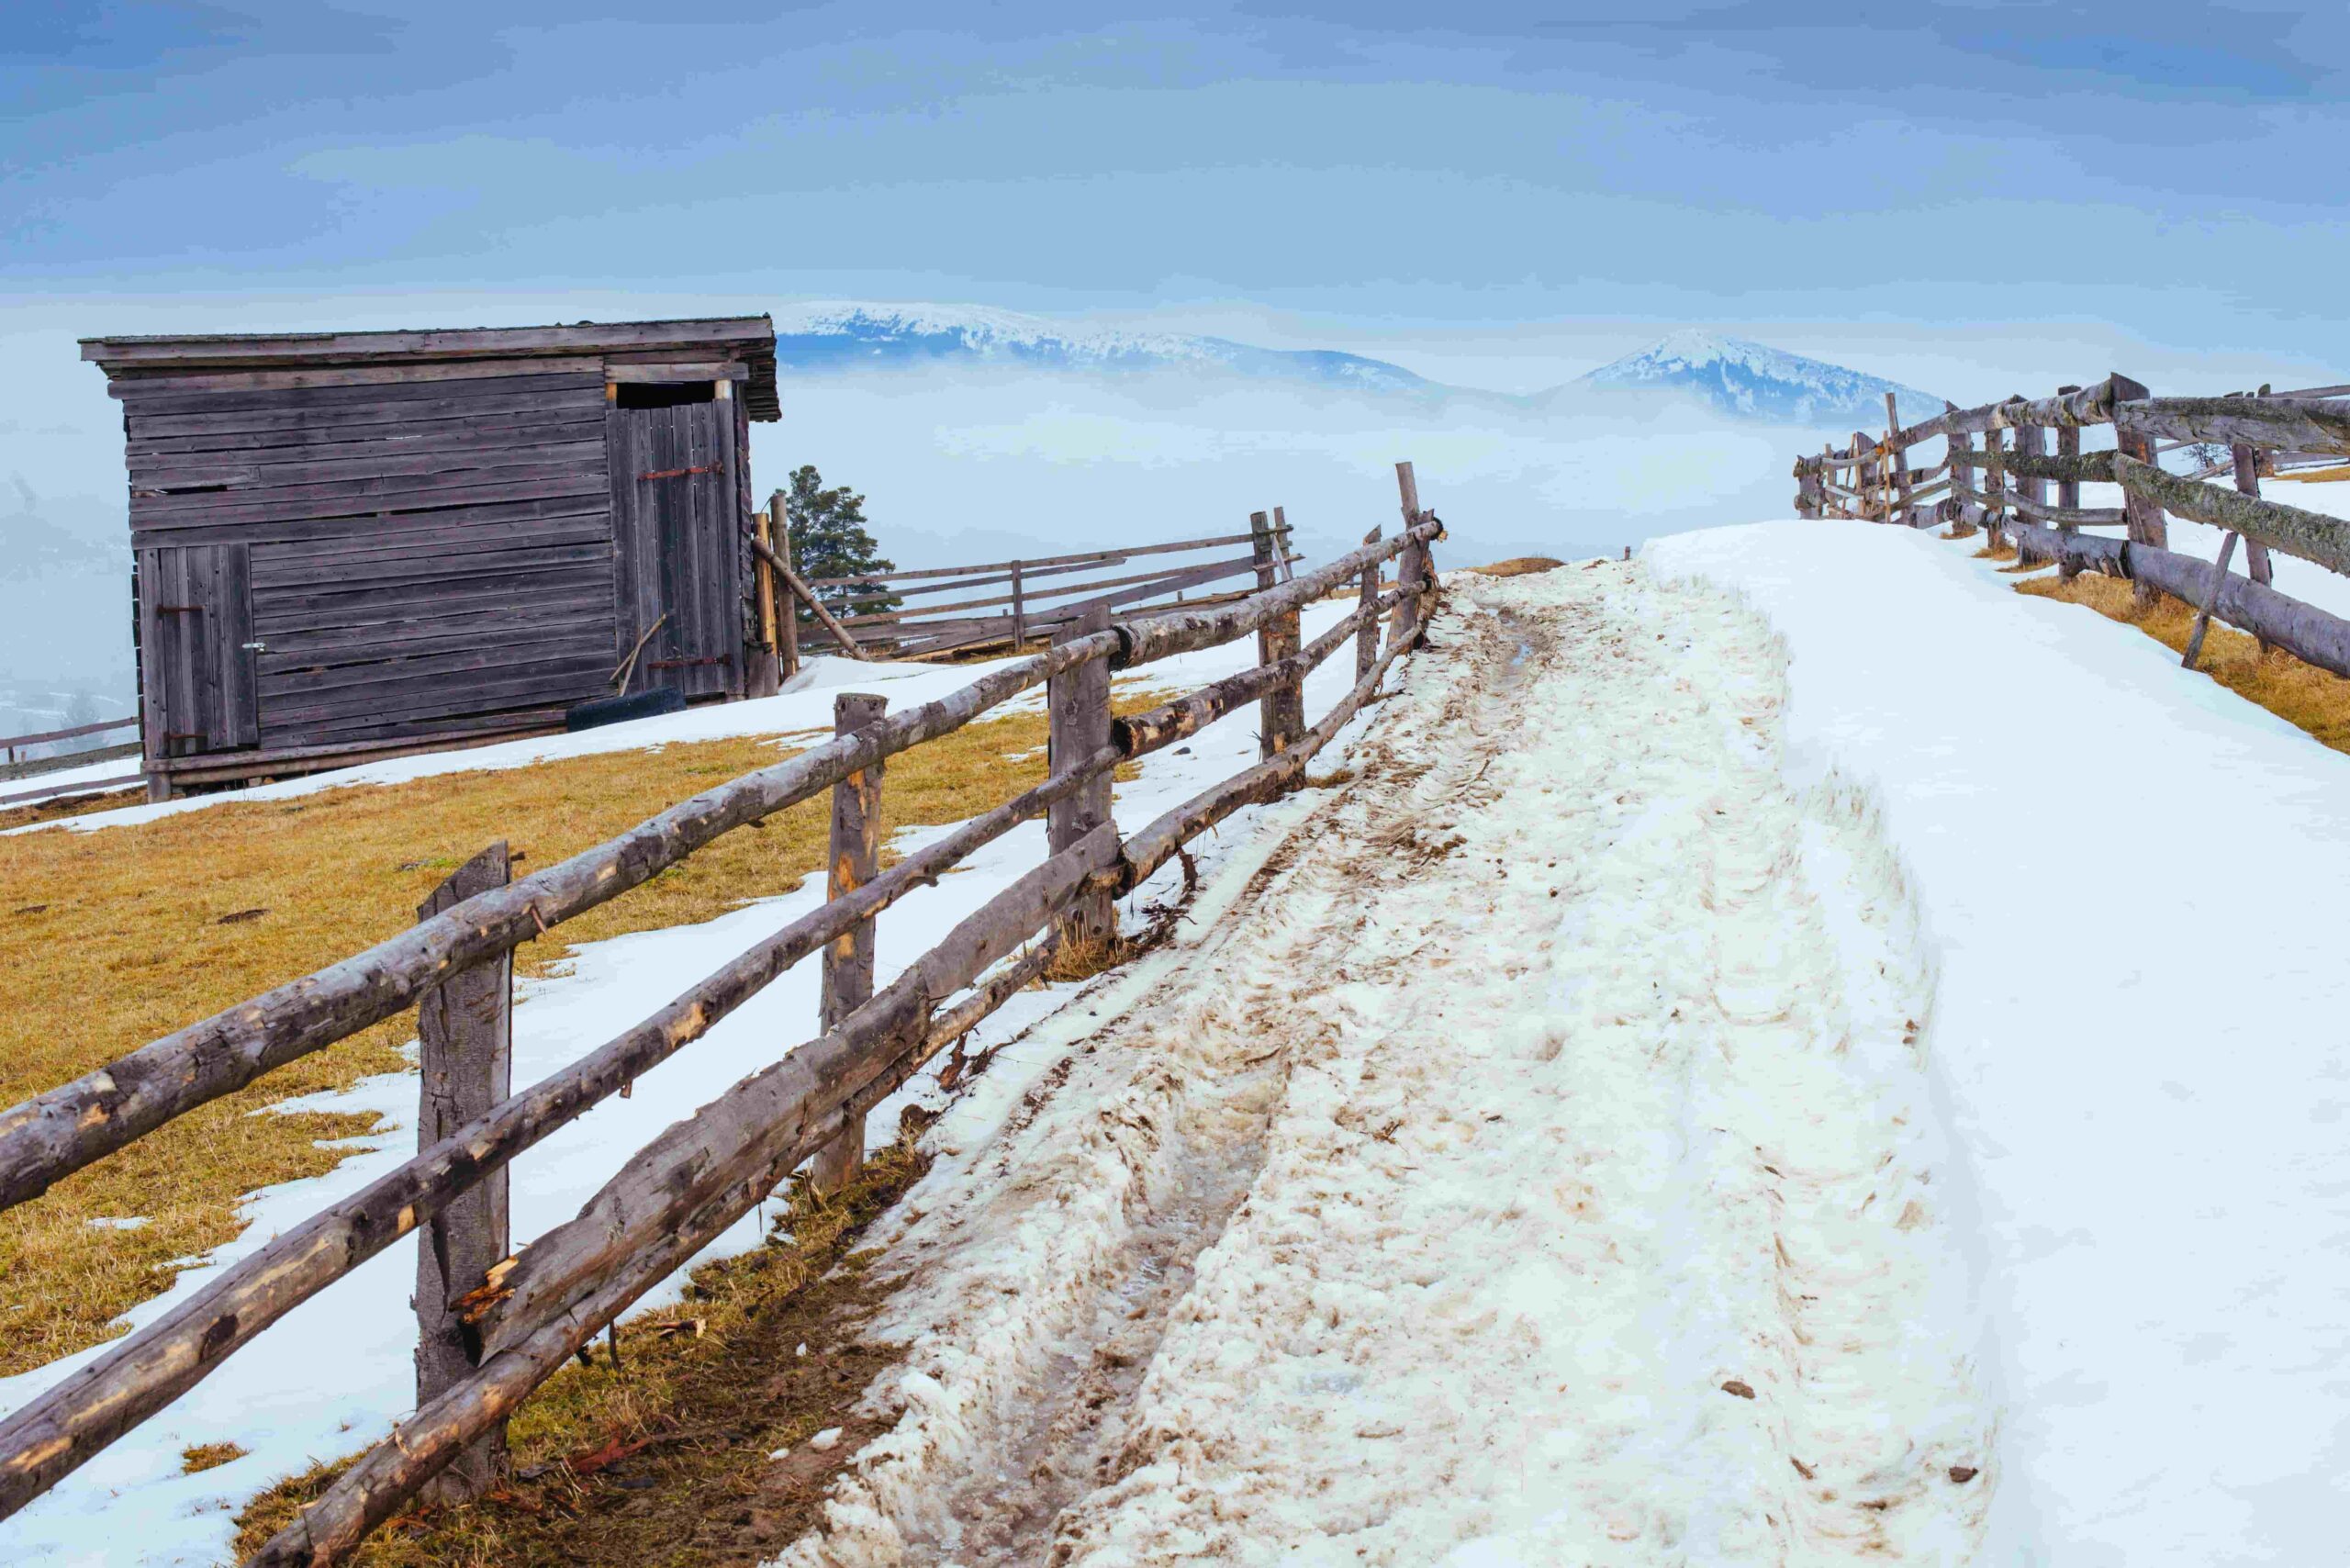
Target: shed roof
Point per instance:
(750, 339)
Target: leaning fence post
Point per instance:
(848, 958)
(464, 1036)
(1077, 703)
(789, 626)
(1281, 551)
(1367, 606)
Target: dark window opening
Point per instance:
(665, 394)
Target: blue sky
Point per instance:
(1430, 180)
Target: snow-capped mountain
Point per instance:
(1754, 381)
(846, 336)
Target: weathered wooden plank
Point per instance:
(193, 484)
(388, 572)
(383, 527)
(579, 473)
(354, 422)
(384, 693)
(239, 391)
(292, 679)
(263, 448)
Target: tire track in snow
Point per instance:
(1562, 1070)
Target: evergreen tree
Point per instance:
(828, 540)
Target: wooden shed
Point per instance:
(347, 544)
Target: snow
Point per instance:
(2136, 1034)
(336, 1373)
(1524, 1155)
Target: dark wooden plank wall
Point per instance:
(426, 555)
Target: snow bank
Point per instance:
(336, 1373)
(2123, 871)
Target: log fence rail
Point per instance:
(2002, 489)
(494, 1322)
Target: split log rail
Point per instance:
(1870, 480)
(495, 1322)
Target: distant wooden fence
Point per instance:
(1872, 480)
(20, 766)
(1016, 602)
(495, 1324)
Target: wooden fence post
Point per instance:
(2068, 490)
(1281, 551)
(1280, 712)
(1019, 611)
(790, 650)
(2033, 441)
(1994, 485)
(2144, 517)
(1367, 629)
(465, 1032)
(1897, 457)
(848, 958)
(2255, 554)
(1076, 702)
(1403, 621)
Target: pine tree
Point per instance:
(828, 540)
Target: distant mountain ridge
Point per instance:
(845, 336)
(1755, 381)
(1734, 376)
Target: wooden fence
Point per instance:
(1016, 602)
(494, 1323)
(1872, 480)
(17, 767)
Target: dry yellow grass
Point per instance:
(208, 1456)
(116, 937)
(2313, 700)
(1517, 566)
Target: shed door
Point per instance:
(672, 459)
(196, 642)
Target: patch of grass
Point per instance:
(1998, 549)
(663, 1459)
(2302, 695)
(125, 934)
(208, 1456)
(66, 806)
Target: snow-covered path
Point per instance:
(1527, 1157)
